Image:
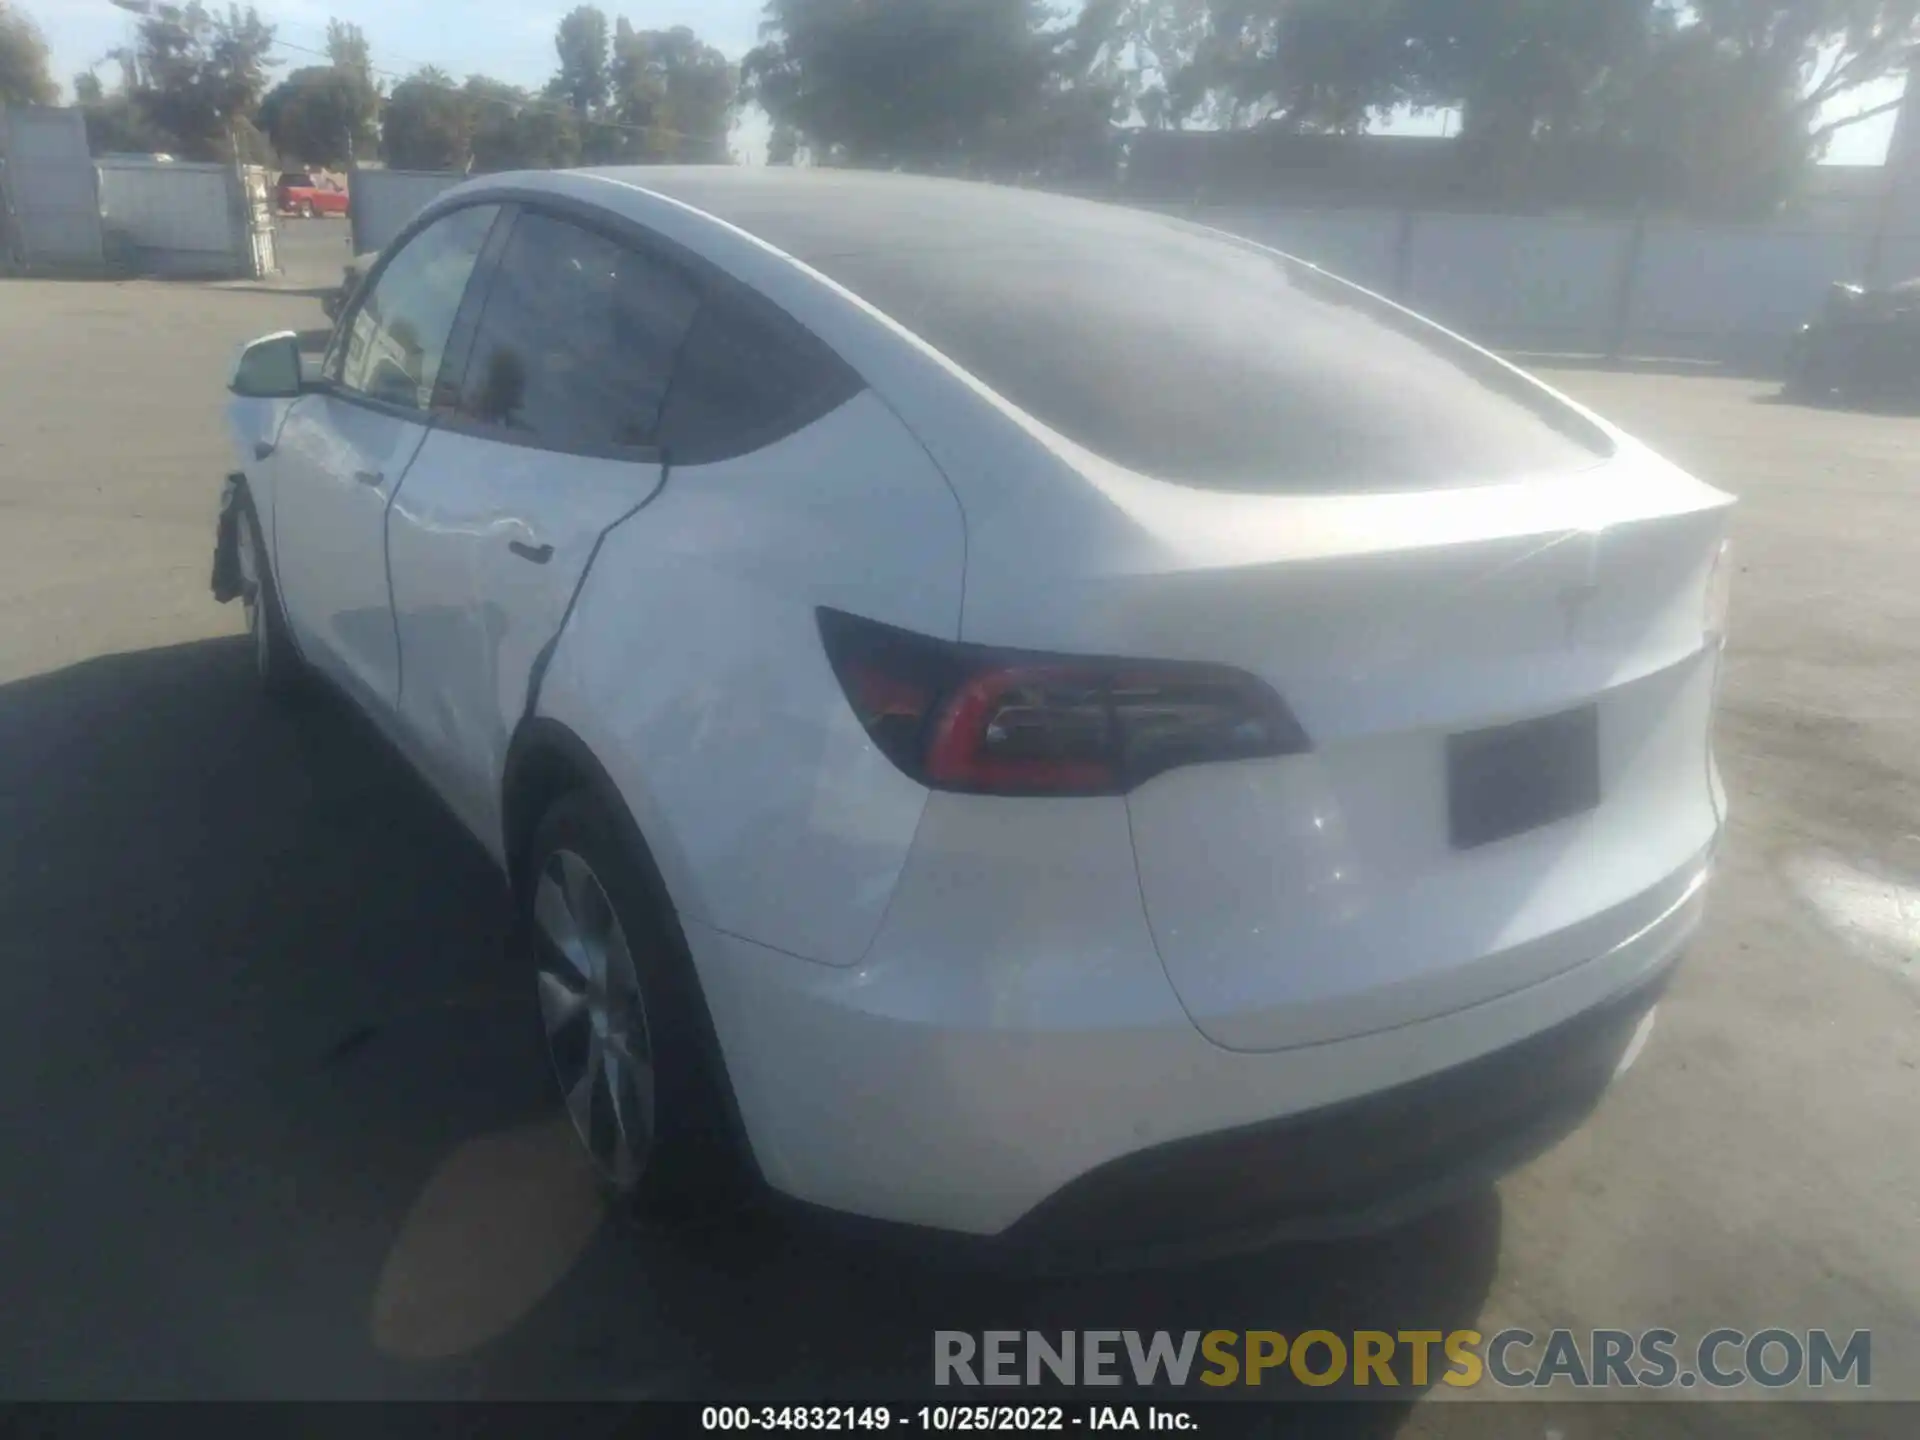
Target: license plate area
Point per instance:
(1507, 781)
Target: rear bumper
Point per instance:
(1101, 1123)
(1351, 1168)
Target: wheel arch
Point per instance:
(246, 502)
(547, 760)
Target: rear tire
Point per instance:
(623, 1020)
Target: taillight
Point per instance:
(1008, 722)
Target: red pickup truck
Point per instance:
(300, 193)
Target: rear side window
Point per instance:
(576, 344)
(748, 375)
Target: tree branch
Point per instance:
(1831, 126)
(1877, 58)
(1819, 92)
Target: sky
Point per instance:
(513, 41)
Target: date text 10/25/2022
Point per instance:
(942, 1419)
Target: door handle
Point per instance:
(538, 554)
(370, 477)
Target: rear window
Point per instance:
(1196, 358)
(747, 377)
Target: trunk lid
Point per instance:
(1319, 896)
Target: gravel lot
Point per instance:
(277, 1126)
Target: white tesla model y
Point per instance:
(1002, 713)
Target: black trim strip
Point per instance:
(537, 673)
(451, 382)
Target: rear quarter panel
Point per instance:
(692, 668)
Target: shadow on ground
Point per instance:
(290, 1132)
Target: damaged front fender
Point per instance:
(227, 584)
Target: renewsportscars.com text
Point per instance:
(1721, 1359)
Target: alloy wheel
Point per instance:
(595, 1018)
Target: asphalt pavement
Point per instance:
(277, 1124)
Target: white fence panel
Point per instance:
(1725, 292)
(383, 201)
(1519, 280)
(175, 219)
(1357, 245)
(51, 195)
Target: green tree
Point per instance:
(1717, 102)
(313, 116)
(963, 85)
(548, 139)
(199, 77)
(1303, 64)
(1736, 94)
(116, 125)
(672, 97)
(352, 59)
(1143, 47)
(581, 42)
(513, 131)
(25, 75)
(427, 124)
(348, 51)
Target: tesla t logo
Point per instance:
(1574, 601)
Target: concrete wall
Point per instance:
(1539, 283)
(1518, 282)
(49, 198)
(1362, 245)
(383, 201)
(1684, 291)
(174, 219)
(1726, 292)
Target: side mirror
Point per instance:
(269, 368)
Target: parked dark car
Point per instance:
(1865, 346)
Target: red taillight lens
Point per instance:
(1001, 722)
(1024, 729)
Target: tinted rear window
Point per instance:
(1194, 358)
(746, 377)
